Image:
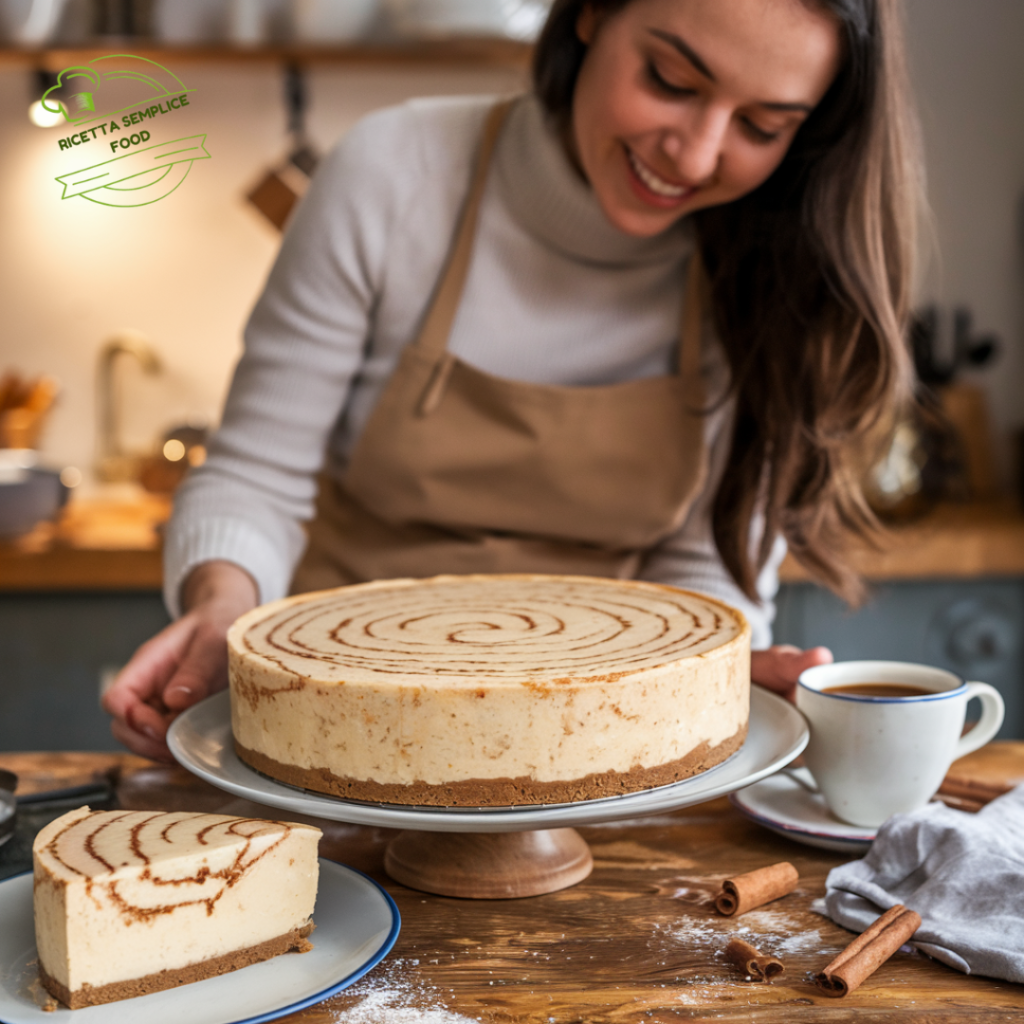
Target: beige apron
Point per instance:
(459, 471)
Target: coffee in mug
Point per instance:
(877, 690)
(884, 733)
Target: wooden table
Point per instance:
(636, 942)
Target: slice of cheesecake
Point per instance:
(131, 902)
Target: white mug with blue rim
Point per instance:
(877, 755)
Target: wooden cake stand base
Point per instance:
(489, 865)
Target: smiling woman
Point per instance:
(785, 125)
(634, 324)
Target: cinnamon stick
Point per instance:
(755, 888)
(972, 789)
(752, 961)
(868, 951)
(960, 803)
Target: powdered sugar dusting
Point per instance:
(386, 1008)
(774, 932)
(781, 935)
(388, 995)
(699, 934)
(702, 938)
(707, 994)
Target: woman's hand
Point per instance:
(779, 667)
(182, 664)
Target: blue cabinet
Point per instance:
(973, 628)
(54, 650)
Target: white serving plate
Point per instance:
(357, 923)
(200, 739)
(786, 805)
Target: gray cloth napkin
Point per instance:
(963, 873)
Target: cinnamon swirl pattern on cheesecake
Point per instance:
(489, 690)
(130, 902)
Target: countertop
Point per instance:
(635, 942)
(114, 544)
(952, 541)
(99, 543)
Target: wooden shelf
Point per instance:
(473, 52)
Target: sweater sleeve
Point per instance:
(304, 343)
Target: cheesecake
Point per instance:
(132, 902)
(489, 690)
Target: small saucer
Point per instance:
(784, 804)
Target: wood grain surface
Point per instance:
(638, 941)
(484, 51)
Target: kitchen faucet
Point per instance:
(114, 464)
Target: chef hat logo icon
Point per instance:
(83, 101)
(117, 99)
(110, 85)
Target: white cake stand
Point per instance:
(488, 852)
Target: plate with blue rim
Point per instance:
(357, 923)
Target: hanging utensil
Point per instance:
(277, 193)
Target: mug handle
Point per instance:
(992, 711)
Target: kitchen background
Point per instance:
(185, 272)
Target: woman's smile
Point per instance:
(652, 187)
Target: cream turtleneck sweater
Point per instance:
(555, 295)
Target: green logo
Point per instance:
(138, 178)
(117, 103)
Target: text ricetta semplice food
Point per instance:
(134, 118)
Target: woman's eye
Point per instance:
(759, 134)
(659, 81)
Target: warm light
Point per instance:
(39, 115)
(70, 476)
(196, 455)
(174, 450)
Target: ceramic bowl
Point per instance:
(28, 498)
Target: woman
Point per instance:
(479, 314)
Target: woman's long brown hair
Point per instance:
(810, 277)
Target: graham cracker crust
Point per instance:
(501, 792)
(294, 941)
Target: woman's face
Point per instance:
(684, 104)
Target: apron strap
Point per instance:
(438, 324)
(690, 329)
